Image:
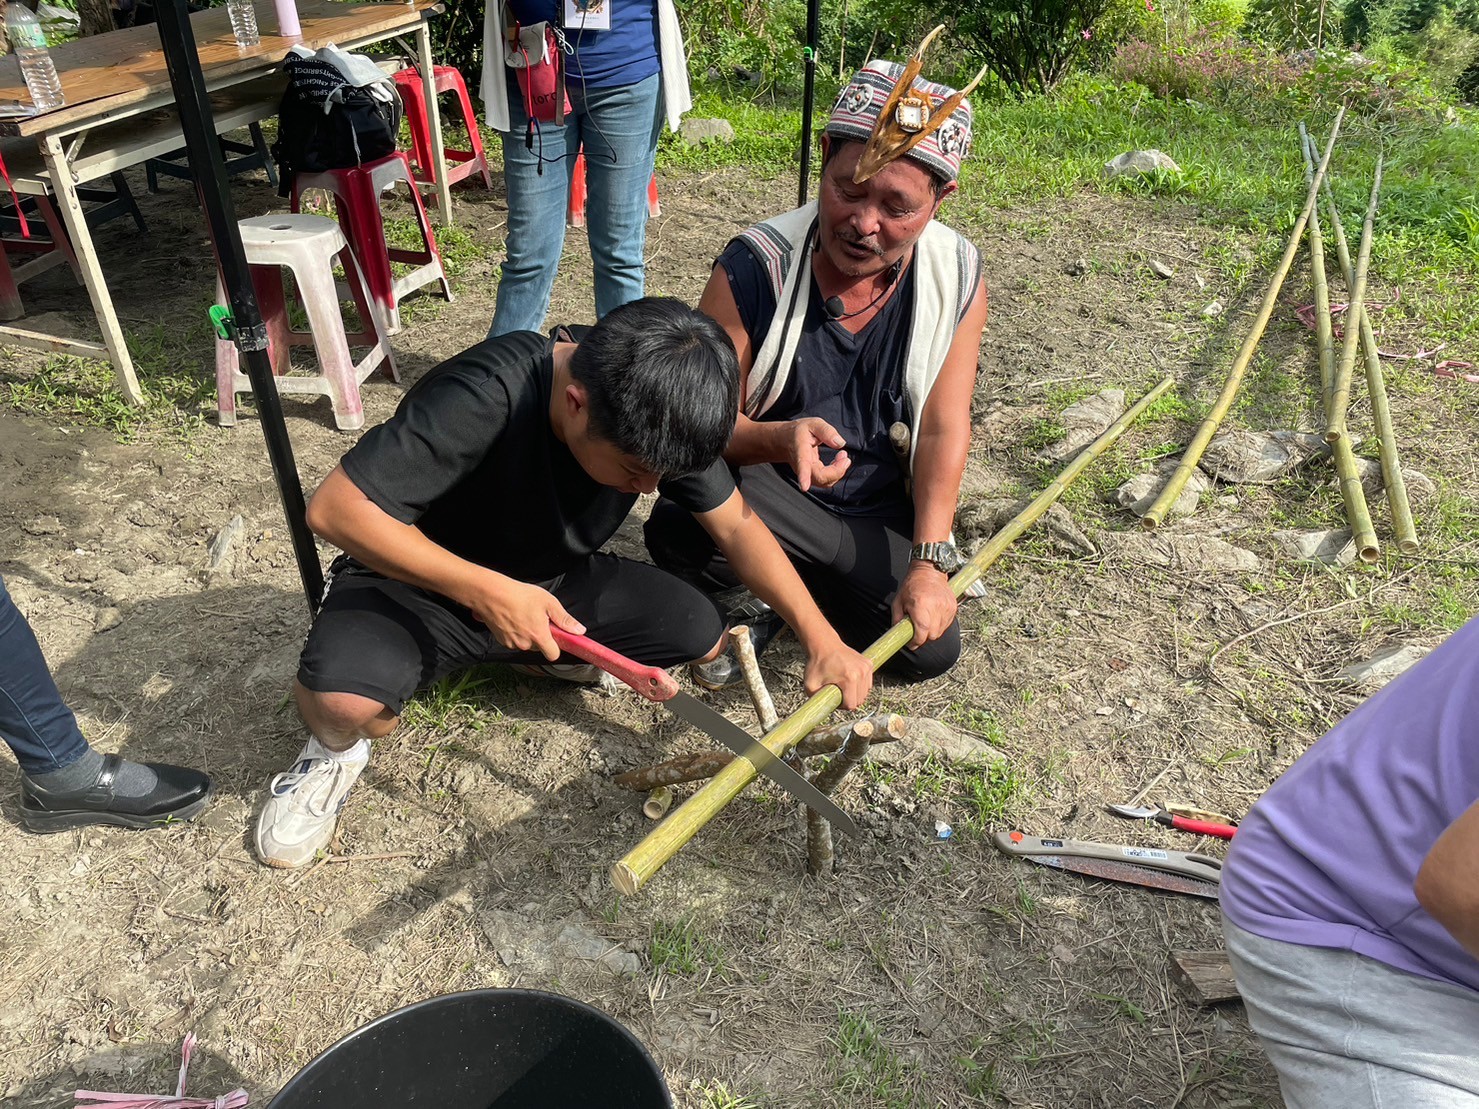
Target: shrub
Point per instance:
(1031, 45)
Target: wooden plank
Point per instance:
(1205, 976)
(40, 340)
(103, 73)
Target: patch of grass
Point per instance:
(716, 1095)
(986, 791)
(866, 1065)
(680, 948)
(1042, 433)
(460, 700)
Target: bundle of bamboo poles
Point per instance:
(633, 871)
(1171, 491)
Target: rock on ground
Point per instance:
(547, 948)
(1183, 552)
(1084, 422)
(696, 131)
(1140, 492)
(1259, 457)
(981, 519)
(1419, 486)
(1332, 548)
(1383, 666)
(1136, 162)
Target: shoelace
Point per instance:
(236, 1099)
(314, 797)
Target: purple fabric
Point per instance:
(1328, 856)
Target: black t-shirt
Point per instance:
(471, 459)
(854, 382)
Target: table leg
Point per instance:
(434, 124)
(92, 273)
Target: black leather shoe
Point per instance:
(179, 795)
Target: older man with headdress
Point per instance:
(853, 314)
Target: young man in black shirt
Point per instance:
(473, 519)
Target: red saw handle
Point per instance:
(1203, 827)
(649, 681)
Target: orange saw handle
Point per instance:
(649, 681)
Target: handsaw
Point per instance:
(660, 686)
(1177, 871)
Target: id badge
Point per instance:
(587, 15)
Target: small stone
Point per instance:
(1141, 491)
(43, 525)
(1077, 268)
(1192, 553)
(1161, 270)
(1137, 162)
(107, 619)
(696, 131)
(1419, 486)
(1334, 547)
(980, 519)
(1383, 666)
(225, 540)
(931, 737)
(1213, 310)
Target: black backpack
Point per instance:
(324, 122)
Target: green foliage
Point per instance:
(1031, 45)
(679, 947)
(1293, 24)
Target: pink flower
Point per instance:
(1149, 6)
(1088, 34)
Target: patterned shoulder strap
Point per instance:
(774, 251)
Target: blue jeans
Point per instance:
(34, 720)
(619, 128)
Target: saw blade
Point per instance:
(1128, 873)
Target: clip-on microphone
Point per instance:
(836, 310)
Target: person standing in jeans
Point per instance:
(622, 82)
(64, 782)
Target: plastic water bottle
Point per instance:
(243, 15)
(29, 42)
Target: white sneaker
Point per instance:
(299, 818)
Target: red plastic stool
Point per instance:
(44, 252)
(445, 78)
(576, 215)
(356, 193)
(309, 246)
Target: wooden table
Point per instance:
(116, 85)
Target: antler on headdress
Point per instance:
(907, 117)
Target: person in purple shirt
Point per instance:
(1350, 900)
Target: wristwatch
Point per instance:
(943, 556)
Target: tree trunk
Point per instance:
(96, 17)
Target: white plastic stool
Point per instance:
(309, 246)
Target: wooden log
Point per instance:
(1205, 976)
(1353, 493)
(1171, 492)
(658, 802)
(744, 651)
(888, 727)
(1381, 414)
(631, 872)
(1341, 396)
(820, 857)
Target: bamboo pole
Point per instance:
(1171, 492)
(1381, 413)
(658, 802)
(1356, 300)
(1357, 514)
(632, 871)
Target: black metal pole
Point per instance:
(808, 96)
(178, 39)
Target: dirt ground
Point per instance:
(928, 972)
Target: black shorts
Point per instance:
(384, 640)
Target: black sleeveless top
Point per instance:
(854, 382)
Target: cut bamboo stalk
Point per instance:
(658, 802)
(1340, 399)
(820, 855)
(1171, 492)
(631, 872)
(1357, 513)
(1381, 414)
(744, 651)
